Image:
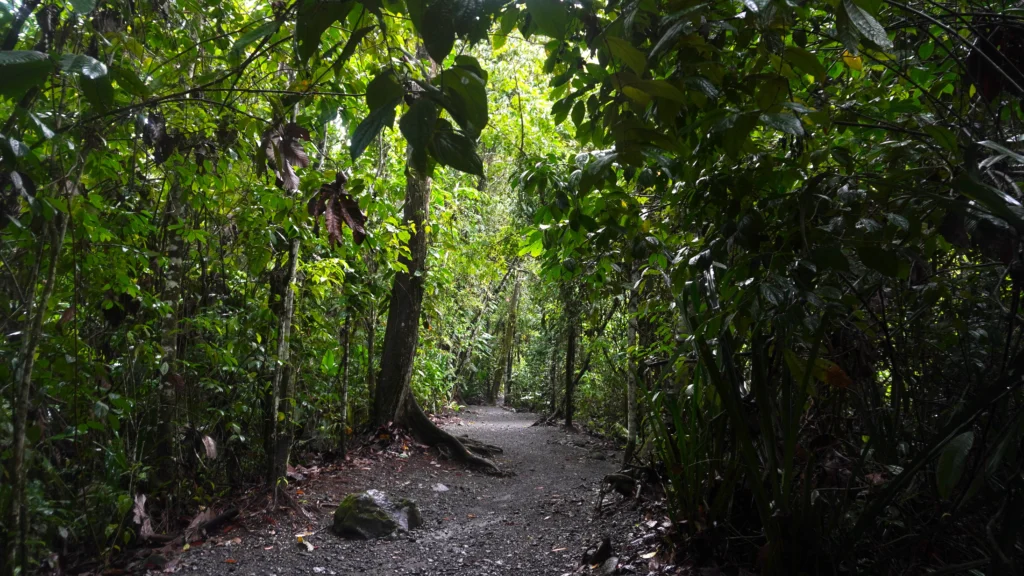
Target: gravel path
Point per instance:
(537, 521)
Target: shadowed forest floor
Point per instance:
(538, 520)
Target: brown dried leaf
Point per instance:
(141, 518)
(211, 447)
(333, 217)
(193, 532)
(353, 216)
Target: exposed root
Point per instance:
(427, 432)
(485, 450)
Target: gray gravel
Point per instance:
(537, 521)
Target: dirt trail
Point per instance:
(537, 521)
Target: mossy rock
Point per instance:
(368, 515)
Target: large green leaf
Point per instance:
(951, 463)
(128, 80)
(314, 17)
(465, 98)
(384, 88)
(98, 91)
(417, 125)
(371, 126)
(550, 17)
(994, 200)
(21, 70)
(258, 33)
(787, 123)
(353, 43)
(83, 6)
(624, 50)
(866, 25)
(438, 29)
(93, 78)
(806, 62)
(456, 150)
(82, 65)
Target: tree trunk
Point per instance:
(346, 337)
(36, 310)
(553, 378)
(282, 389)
(632, 368)
(394, 400)
(570, 363)
(510, 329)
(170, 378)
(370, 326)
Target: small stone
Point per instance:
(440, 487)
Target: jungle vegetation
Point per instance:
(771, 246)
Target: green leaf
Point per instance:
(509, 19)
(82, 65)
(951, 463)
(830, 258)
(550, 17)
(997, 202)
(943, 137)
(438, 30)
(787, 123)
(21, 70)
(661, 89)
(756, 5)
(806, 62)
(384, 88)
(625, 51)
(353, 43)
(371, 126)
(417, 125)
(578, 112)
(456, 150)
(313, 19)
(771, 91)
(83, 6)
(866, 25)
(465, 98)
(883, 261)
(267, 29)
(127, 79)
(1016, 156)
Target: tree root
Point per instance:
(427, 432)
(485, 450)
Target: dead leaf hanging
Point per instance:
(282, 146)
(338, 207)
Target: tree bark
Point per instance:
(346, 337)
(570, 363)
(394, 400)
(370, 326)
(632, 368)
(510, 329)
(553, 377)
(170, 378)
(282, 389)
(36, 310)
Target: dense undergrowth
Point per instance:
(772, 247)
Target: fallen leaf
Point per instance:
(649, 555)
(470, 515)
(559, 549)
(231, 561)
